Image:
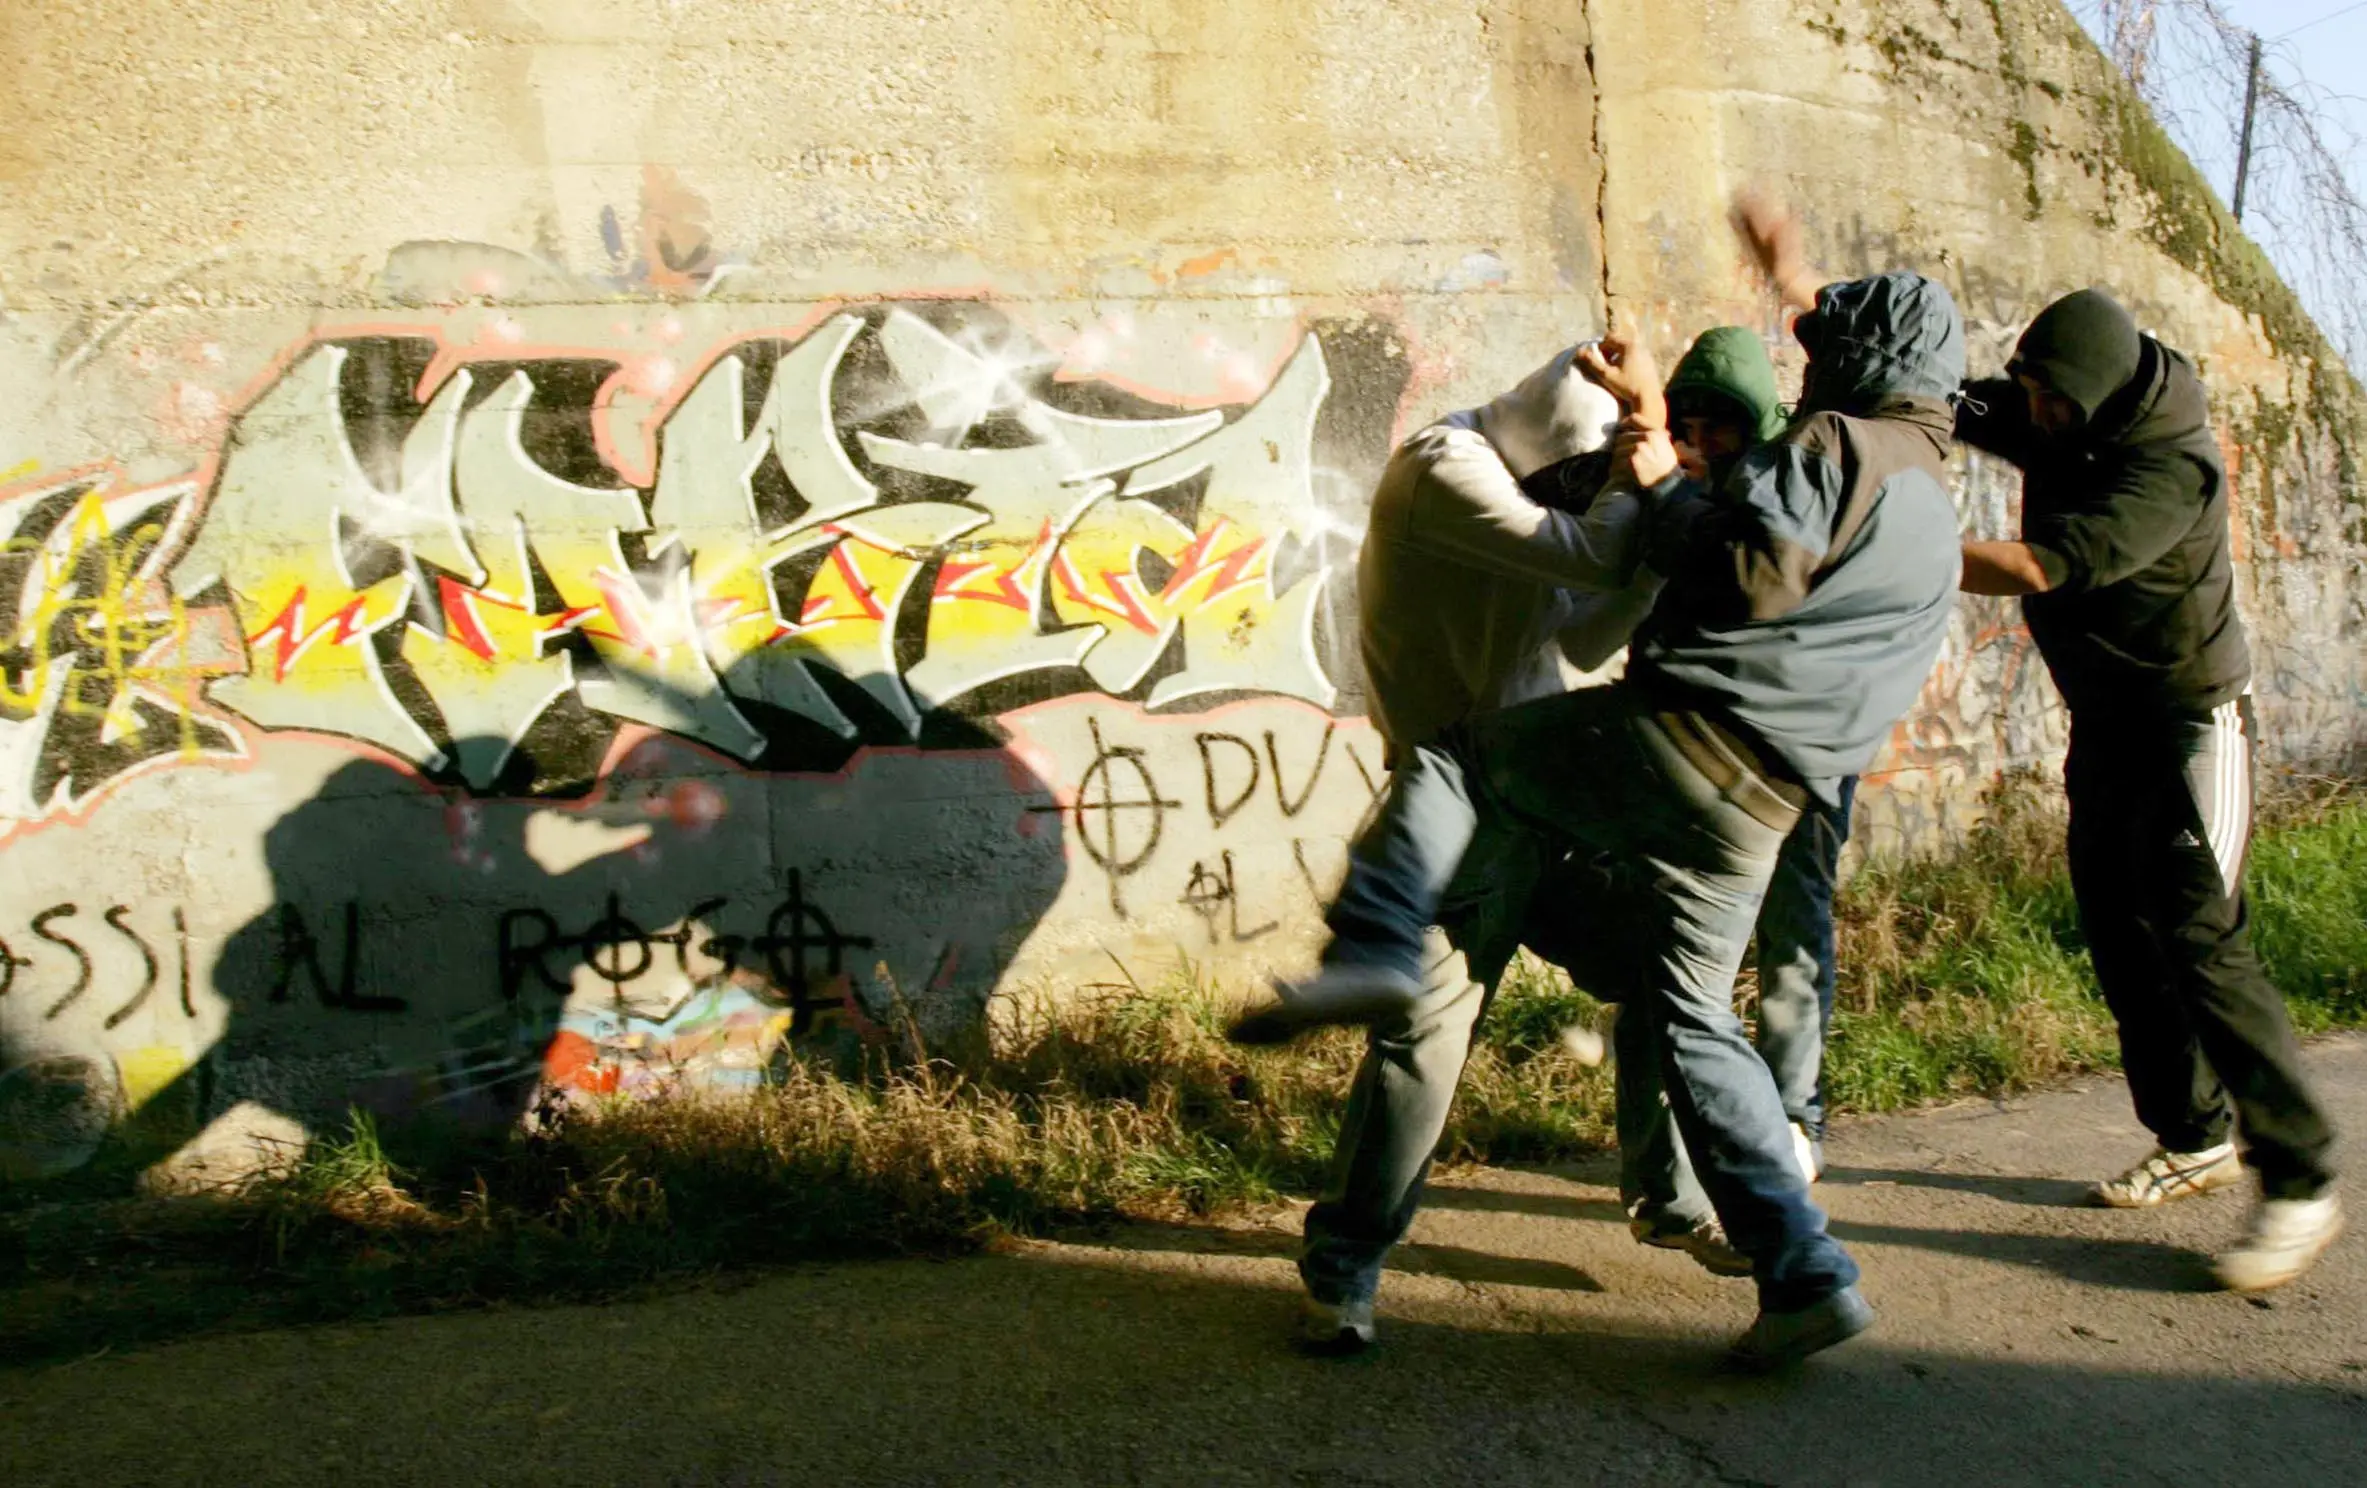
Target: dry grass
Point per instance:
(1962, 974)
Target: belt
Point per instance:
(1736, 768)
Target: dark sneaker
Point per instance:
(1334, 995)
(1775, 1339)
(1336, 1328)
(1706, 1242)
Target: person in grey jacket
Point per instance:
(1803, 610)
(1494, 566)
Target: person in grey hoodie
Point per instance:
(1803, 610)
(1493, 567)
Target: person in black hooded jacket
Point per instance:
(2125, 581)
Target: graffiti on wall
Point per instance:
(843, 537)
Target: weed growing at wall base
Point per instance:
(1962, 975)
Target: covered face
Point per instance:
(2076, 355)
(1552, 414)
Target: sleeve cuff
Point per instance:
(2053, 564)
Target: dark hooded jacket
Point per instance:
(1808, 600)
(2126, 515)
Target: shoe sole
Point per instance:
(1840, 1329)
(2201, 1186)
(2270, 1284)
(1340, 1344)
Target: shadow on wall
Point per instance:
(437, 961)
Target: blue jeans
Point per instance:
(1397, 1107)
(1402, 863)
(1796, 957)
(1795, 934)
(1590, 770)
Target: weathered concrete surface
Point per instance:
(1992, 147)
(590, 541)
(1527, 1341)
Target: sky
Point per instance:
(2330, 55)
(2317, 49)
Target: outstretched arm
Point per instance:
(1772, 233)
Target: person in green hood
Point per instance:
(1722, 400)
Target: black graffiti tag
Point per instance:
(1215, 892)
(41, 928)
(300, 955)
(801, 948)
(1119, 812)
(1222, 811)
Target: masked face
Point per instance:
(2051, 413)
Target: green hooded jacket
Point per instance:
(1731, 364)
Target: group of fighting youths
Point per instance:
(1780, 584)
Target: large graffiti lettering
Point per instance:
(881, 520)
(97, 673)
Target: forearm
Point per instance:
(1799, 288)
(2003, 569)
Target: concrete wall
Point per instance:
(591, 539)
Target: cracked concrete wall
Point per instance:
(588, 542)
(1992, 147)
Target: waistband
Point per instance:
(1738, 768)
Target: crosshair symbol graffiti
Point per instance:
(1119, 812)
(792, 934)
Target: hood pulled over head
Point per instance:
(1730, 365)
(1895, 335)
(2084, 346)
(1554, 413)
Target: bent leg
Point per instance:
(1397, 1109)
(1402, 864)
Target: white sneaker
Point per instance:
(1336, 1327)
(2167, 1175)
(1811, 1161)
(2288, 1235)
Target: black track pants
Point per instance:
(2161, 821)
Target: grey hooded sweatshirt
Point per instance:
(1462, 578)
(1808, 598)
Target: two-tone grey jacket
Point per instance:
(1809, 598)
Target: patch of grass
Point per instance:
(1962, 974)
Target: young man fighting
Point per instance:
(1803, 609)
(1480, 582)
(2124, 576)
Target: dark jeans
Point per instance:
(2161, 823)
(1592, 770)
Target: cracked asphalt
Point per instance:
(1526, 1339)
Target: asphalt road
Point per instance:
(1527, 1340)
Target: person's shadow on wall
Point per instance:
(439, 960)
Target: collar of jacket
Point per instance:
(1931, 416)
